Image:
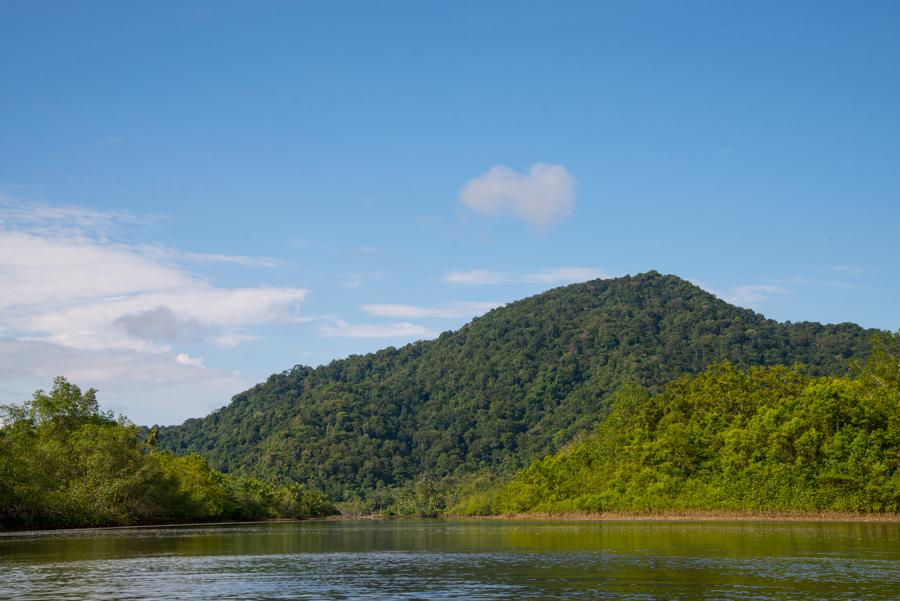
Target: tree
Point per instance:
(66, 406)
(66, 463)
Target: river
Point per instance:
(435, 559)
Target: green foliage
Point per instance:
(768, 438)
(427, 498)
(64, 463)
(512, 386)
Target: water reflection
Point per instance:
(456, 560)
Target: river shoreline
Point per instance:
(683, 516)
(673, 516)
(694, 516)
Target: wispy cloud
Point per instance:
(820, 282)
(849, 269)
(556, 275)
(80, 290)
(452, 310)
(174, 255)
(329, 248)
(753, 295)
(356, 280)
(76, 299)
(542, 196)
(231, 339)
(343, 329)
(16, 213)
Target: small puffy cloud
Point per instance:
(556, 275)
(542, 196)
(753, 295)
(186, 359)
(343, 329)
(453, 310)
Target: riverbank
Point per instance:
(682, 516)
(695, 516)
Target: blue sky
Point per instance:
(194, 195)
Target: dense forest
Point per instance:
(762, 439)
(64, 463)
(506, 389)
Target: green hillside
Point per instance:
(760, 440)
(507, 388)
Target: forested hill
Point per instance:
(506, 388)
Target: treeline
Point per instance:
(64, 463)
(757, 439)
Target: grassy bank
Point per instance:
(694, 516)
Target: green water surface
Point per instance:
(433, 559)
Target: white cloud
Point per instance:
(342, 329)
(86, 293)
(453, 310)
(557, 275)
(231, 339)
(38, 269)
(753, 295)
(544, 195)
(186, 359)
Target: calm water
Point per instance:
(459, 560)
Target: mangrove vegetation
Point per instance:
(732, 439)
(64, 463)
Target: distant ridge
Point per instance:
(510, 386)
